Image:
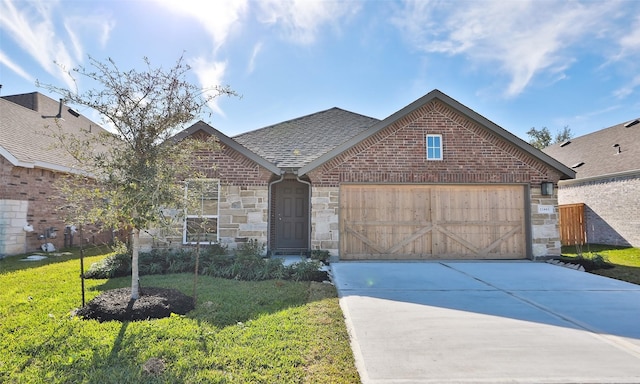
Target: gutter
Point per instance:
(308, 212)
(568, 183)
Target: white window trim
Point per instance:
(426, 143)
(187, 216)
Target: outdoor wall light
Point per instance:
(547, 188)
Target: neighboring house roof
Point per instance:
(595, 154)
(225, 140)
(295, 143)
(436, 94)
(27, 123)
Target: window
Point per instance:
(434, 147)
(201, 219)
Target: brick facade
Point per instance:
(396, 154)
(472, 154)
(612, 207)
(28, 195)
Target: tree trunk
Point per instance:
(135, 279)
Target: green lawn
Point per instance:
(240, 332)
(626, 260)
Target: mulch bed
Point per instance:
(153, 303)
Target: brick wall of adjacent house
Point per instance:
(612, 208)
(471, 154)
(27, 195)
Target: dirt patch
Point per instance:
(153, 303)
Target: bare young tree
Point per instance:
(134, 172)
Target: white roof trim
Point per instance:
(39, 164)
(14, 160)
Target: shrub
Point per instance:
(246, 264)
(306, 270)
(116, 265)
(320, 255)
(592, 261)
(250, 248)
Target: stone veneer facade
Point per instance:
(243, 214)
(325, 225)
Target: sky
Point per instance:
(519, 63)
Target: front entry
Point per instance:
(290, 215)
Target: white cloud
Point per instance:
(630, 40)
(301, 20)
(87, 26)
(522, 38)
(15, 67)
(628, 89)
(31, 26)
(217, 17)
(254, 54)
(210, 75)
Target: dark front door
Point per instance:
(291, 216)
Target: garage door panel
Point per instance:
(432, 222)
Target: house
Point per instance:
(606, 188)
(433, 180)
(29, 165)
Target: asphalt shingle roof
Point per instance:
(596, 150)
(295, 143)
(27, 122)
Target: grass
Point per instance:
(626, 260)
(259, 332)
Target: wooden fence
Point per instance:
(572, 224)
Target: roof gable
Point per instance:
(295, 143)
(596, 154)
(201, 126)
(456, 106)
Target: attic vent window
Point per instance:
(565, 143)
(578, 164)
(74, 113)
(632, 123)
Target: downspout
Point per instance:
(269, 221)
(308, 213)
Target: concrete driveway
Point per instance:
(489, 322)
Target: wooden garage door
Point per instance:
(432, 222)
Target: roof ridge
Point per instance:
(302, 117)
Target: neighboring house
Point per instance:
(433, 180)
(607, 165)
(29, 165)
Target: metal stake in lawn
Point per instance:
(82, 263)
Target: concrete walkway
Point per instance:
(489, 322)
